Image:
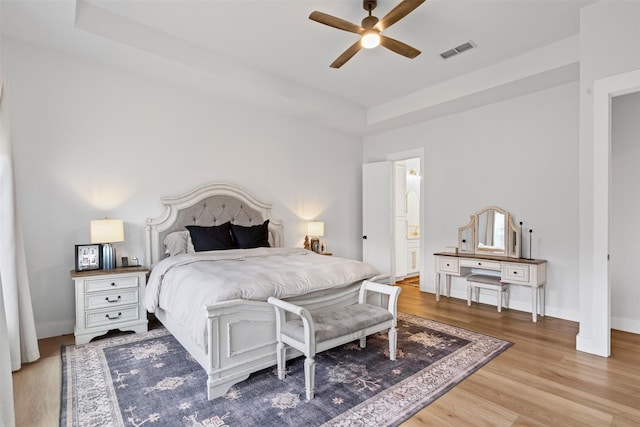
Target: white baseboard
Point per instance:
(625, 324)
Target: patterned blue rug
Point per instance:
(150, 379)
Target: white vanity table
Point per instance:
(515, 271)
(491, 242)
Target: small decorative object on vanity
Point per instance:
(107, 231)
(491, 243)
(109, 299)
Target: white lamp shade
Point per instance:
(107, 231)
(315, 228)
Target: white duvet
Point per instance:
(183, 285)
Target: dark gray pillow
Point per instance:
(256, 236)
(217, 237)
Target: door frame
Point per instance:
(413, 154)
(595, 309)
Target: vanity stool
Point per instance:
(312, 333)
(485, 281)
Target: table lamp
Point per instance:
(315, 229)
(107, 231)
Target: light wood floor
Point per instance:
(540, 381)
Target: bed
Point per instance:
(233, 335)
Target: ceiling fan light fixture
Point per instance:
(370, 30)
(370, 39)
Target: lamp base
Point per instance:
(315, 244)
(108, 256)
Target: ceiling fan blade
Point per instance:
(399, 47)
(397, 13)
(334, 22)
(346, 55)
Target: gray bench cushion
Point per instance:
(336, 323)
(484, 278)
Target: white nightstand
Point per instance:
(109, 299)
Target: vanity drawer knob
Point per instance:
(112, 300)
(113, 283)
(113, 318)
(448, 265)
(479, 263)
(515, 273)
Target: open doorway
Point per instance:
(625, 205)
(392, 237)
(407, 213)
(595, 296)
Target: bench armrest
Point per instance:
(287, 306)
(307, 321)
(390, 290)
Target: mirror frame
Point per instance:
(469, 245)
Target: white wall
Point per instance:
(520, 155)
(91, 140)
(609, 46)
(625, 206)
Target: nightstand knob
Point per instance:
(112, 300)
(113, 318)
(113, 283)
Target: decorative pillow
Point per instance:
(217, 237)
(256, 236)
(178, 242)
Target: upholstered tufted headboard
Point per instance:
(211, 204)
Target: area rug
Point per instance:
(150, 379)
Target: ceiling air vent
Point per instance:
(456, 50)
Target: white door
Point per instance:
(377, 219)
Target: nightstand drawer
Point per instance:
(111, 317)
(111, 299)
(95, 285)
(448, 265)
(515, 273)
(486, 265)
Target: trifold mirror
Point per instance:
(490, 231)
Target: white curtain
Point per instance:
(17, 327)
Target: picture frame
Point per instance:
(88, 257)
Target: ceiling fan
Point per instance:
(370, 30)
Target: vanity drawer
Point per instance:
(111, 317)
(110, 299)
(515, 272)
(448, 265)
(484, 264)
(112, 283)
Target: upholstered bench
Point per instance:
(312, 333)
(485, 281)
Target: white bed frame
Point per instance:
(241, 334)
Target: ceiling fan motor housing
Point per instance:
(369, 5)
(369, 22)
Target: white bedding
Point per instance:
(183, 285)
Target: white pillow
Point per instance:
(178, 242)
